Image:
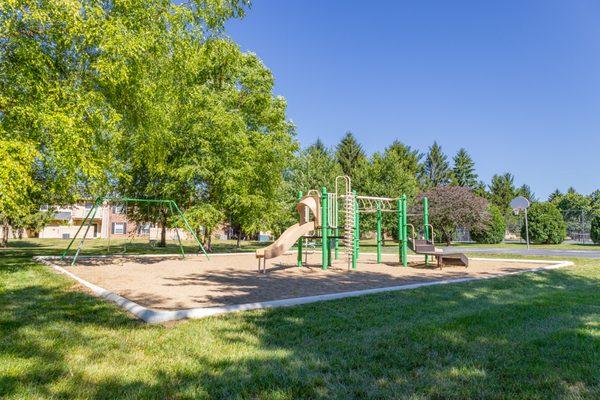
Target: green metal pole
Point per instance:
(324, 229)
(300, 239)
(87, 229)
(189, 228)
(64, 254)
(177, 232)
(357, 230)
(426, 224)
(355, 239)
(404, 230)
(399, 225)
(379, 235)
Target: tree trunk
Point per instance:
(163, 234)
(239, 235)
(208, 247)
(4, 232)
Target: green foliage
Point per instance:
(464, 170)
(554, 195)
(595, 228)
(408, 159)
(388, 175)
(437, 169)
(595, 200)
(16, 182)
(350, 155)
(546, 224)
(314, 168)
(145, 98)
(502, 191)
(525, 191)
(493, 230)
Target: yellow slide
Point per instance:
(308, 205)
(286, 240)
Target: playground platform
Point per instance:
(159, 288)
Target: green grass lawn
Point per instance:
(528, 336)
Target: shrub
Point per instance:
(595, 231)
(546, 224)
(492, 232)
(452, 207)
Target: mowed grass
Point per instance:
(528, 336)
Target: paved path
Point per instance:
(524, 251)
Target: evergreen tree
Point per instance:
(350, 155)
(525, 191)
(409, 159)
(436, 168)
(571, 190)
(464, 170)
(314, 168)
(554, 195)
(502, 191)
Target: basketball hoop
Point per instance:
(521, 203)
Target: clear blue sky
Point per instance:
(515, 82)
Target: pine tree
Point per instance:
(464, 170)
(525, 191)
(437, 170)
(409, 159)
(555, 195)
(502, 191)
(350, 155)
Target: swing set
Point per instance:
(144, 223)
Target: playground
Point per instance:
(172, 283)
(327, 263)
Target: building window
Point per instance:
(44, 207)
(88, 206)
(119, 228)
(144, 230)
(117, 209)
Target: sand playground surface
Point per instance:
(172, 283)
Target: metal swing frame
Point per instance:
(87, 221)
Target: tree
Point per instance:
(502, 191)
(387, 176)
(201, 124)
(408, 158)
(546, 224)
(554, 195)
(49, 95)
(595, 228)
(576, 209)
(16, 182)
(437, 170)
(493, 230)
(595, 200)
(452, 207)
(464, 170)
(350, 155)
(314, 168)
(525, 191)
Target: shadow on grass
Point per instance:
(527, 336)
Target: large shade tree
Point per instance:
(144, 98)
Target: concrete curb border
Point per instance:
(152, 316)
